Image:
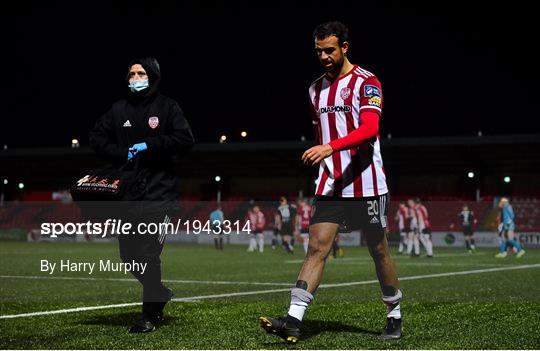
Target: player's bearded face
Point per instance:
(331, 54)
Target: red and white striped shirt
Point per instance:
(423, 217)
(256, 221)
(403, 218)
(336, 107)
(304, 214)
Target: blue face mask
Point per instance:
(138, 85)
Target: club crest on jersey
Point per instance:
(371, 90)
(345, 93)
(153, 122)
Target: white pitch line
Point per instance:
(437, 275)
(341, 259)
(217, 282)
(431, 264)
(457, 254)
(69, 310)
(322, 286)
(397, 258)
(244, 293)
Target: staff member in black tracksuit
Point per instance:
(150, 128)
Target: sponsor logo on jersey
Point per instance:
(153, 122)
(345, 93)
(334, 109)
(371, 90)
(374, 101)
(374, 220)
(127, 123)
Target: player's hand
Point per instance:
(316, 154)
(135, 149)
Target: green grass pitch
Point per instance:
(478, 310)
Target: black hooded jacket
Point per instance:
(146, 117)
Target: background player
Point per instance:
(257, 222)
(424, 227)
(303, 216)
(337, 251)
(216, 218)
(506, 230)
(403, 219)
(347, 104)
(467, 220)
(276, 230)
(412, 237)
(287, 214)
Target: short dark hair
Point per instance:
(334, 28)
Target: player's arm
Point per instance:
(262, 221)
(315, 121)
(103, 141)
(512, 216)
(294, 212)
(247, 220)
(178, 137)
(368, 129)
(370, 112)
(279, 221)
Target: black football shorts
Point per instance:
(366, 213)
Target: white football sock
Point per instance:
(392, 305)
(300, 300)
(410, 243)
(252, 244)
(261, 242)
(429, 246)
(394, 312)
(297, 311)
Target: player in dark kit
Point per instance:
(351, 188)
(150, 129)
(467, 220)
(287, 219)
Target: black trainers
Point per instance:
(143, 325)
(152, 314)
(286, 327)
(158, 317)
(392, 329)
(288, 248)
(168, 298)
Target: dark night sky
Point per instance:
(445, 70)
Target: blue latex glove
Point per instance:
(135, 149)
